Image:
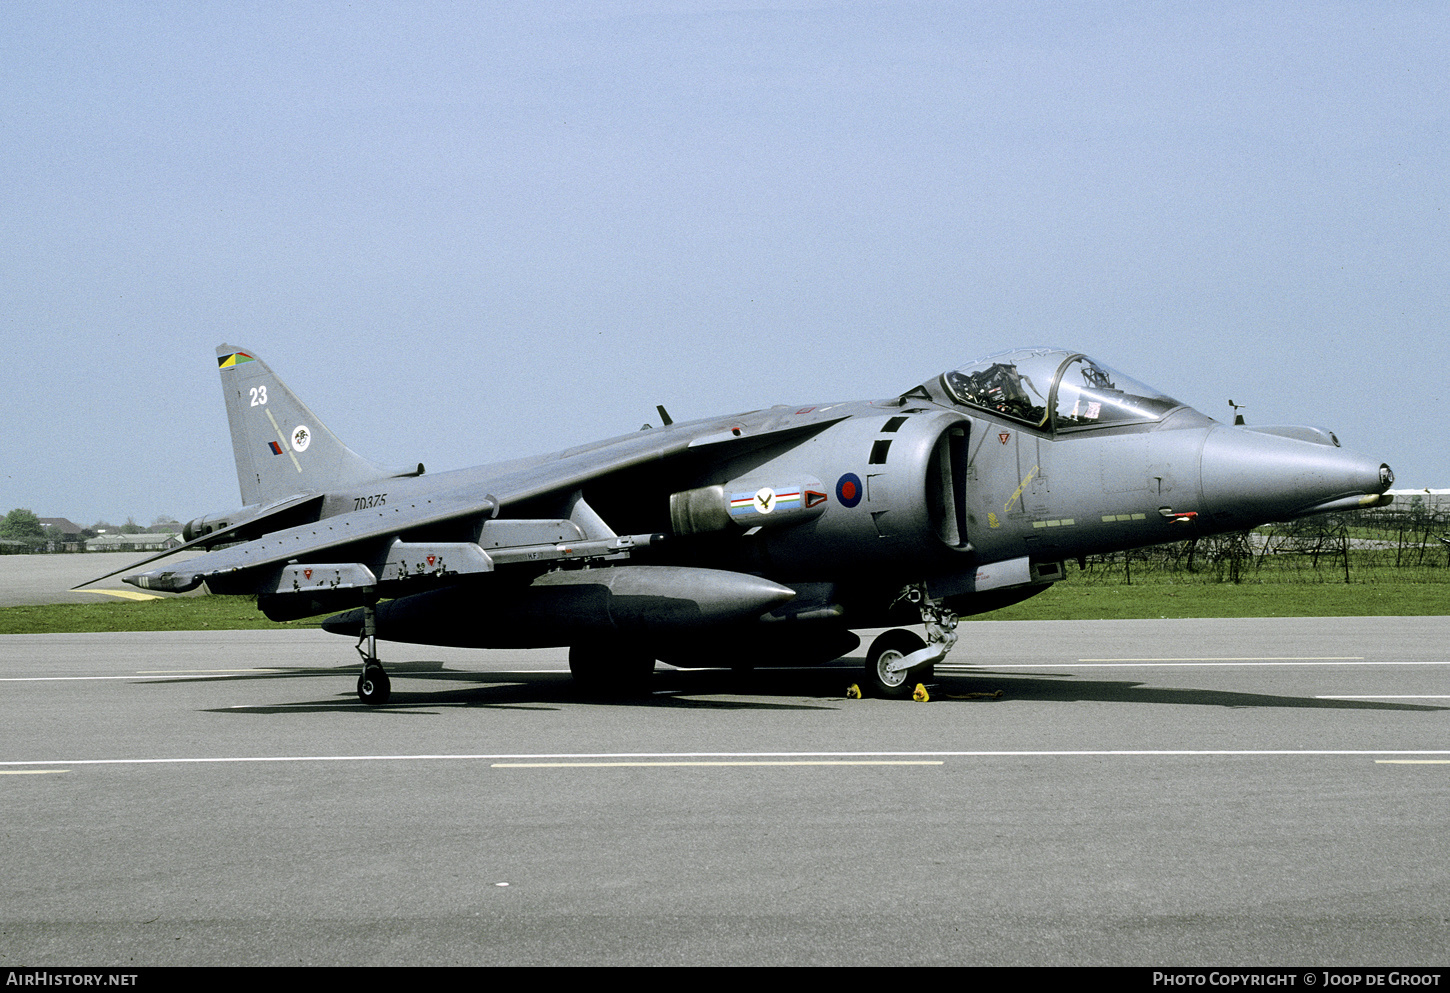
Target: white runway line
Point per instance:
(31, 772)
(149, 675)
(722, 762)
(1423, 753)
(967, 667)
(1386, 696)
(1245, 658)
(135, 679)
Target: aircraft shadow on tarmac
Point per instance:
(1064, 688)
(763, 689)
(544, 690)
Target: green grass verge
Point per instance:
(182, 613)
(1069, 601)
(1148, 598)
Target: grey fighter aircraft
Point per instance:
(757, 539)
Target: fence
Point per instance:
(1389, 544)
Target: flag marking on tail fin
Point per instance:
(233, 360)
(283, 438)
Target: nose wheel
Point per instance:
(885, 681)
(898, 659)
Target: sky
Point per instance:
(470, 232)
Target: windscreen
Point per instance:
(1089, 394)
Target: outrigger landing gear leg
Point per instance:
(898, 659)
(373, 687)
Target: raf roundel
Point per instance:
(301, 438)
(848, 489)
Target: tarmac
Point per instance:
(1152, 793)
(41, 579)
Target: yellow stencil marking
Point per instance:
(1007, 507)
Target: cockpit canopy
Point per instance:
(1055, 390)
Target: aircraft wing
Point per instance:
(308, 540)
(250, 526)
(369, 540)
(572, 468)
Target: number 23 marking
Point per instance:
(259, 396)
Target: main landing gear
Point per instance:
(898, 659)
(373, 685)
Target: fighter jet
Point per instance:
(751, 540)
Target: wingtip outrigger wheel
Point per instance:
(373, 685)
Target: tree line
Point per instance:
(21, 530)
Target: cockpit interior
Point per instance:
(1055, 390)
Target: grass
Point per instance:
(182, 613)
(1155, 599)
(1148, 596)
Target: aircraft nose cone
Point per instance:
(1251, 478)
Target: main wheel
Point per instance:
(605, 668)
(890, 647)
(373, 686)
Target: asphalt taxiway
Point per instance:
(41, 579)
(1142, 793)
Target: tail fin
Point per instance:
(280, 446)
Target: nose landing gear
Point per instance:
(898, 659)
